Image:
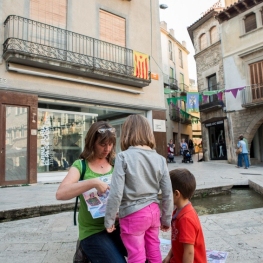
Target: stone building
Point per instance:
(233, 63)
(205, 36)
(66, 64)
(241, 26)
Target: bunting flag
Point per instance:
(175, 99)
(141, 65)
(205, 98)
(220, 95)
(192, 104)
(234, 91)
(169, 91)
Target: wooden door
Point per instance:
(18, 138)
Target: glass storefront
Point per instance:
(217, 140)
(16, 143)
(61, 133)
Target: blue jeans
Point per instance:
(104, 247)
(240, 160)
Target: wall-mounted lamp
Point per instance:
(163, 6)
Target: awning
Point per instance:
(214, 119)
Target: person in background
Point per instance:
(187, 237)
(183, 146)
(243, 154)
(171, 151)
(191, 146)
(99, 153)
(139, 174)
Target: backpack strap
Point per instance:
(83, 171)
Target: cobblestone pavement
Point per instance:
(52, 238)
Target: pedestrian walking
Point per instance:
(244, 154)
(139, 174)
(99, 153)
(171, 151)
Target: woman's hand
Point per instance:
(101, 187)
(111, 229)
(165, 228)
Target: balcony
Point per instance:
(36, 44)
(213, 103)
(252, 96)
(177, 116)
(171, 82)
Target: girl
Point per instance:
(139, 174)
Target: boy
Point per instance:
(187, 236)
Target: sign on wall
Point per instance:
(159, 125)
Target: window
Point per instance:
(256, 79)
(202, 43)
(212, 85)
(170, 50)
(112, 28)
(171, 73)
(261, 16)
(181, 81)
(250, 22)
(181, 58)
(213, 35)
(52, 12)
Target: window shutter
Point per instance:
(250, 22)
(256, 80)
(112, 28)
(202, 41)
(52, 12)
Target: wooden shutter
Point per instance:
(256, 80)
(52, 12)
(202, 41)
(112, 28)
(213, 35)
(250, 22)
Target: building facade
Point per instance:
(242, 48)
(176, 79)
(205, 36)
(66, 64)
(229, 73)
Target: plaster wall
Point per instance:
(143, 34)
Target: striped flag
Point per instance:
(141, 65)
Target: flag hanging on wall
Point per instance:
(192, 102)
(141, 65)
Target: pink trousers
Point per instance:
(140, 235)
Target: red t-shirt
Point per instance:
(186, 228)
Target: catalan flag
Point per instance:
(141, 65)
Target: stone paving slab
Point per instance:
(52, 239)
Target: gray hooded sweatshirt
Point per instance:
(138, 176)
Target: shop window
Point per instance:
(180, 58)
(202, 42)
(250, 22)
(213, 35)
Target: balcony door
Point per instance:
(212, 85)
(18, 136)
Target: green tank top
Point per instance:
(88, 225)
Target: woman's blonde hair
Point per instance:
(136, 131)
(93, 135)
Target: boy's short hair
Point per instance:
(183, 181)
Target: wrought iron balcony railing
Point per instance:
(252, 95)
(176, 115)
(93, 57)
(213, 102)
(171, 82)
(183, 87)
